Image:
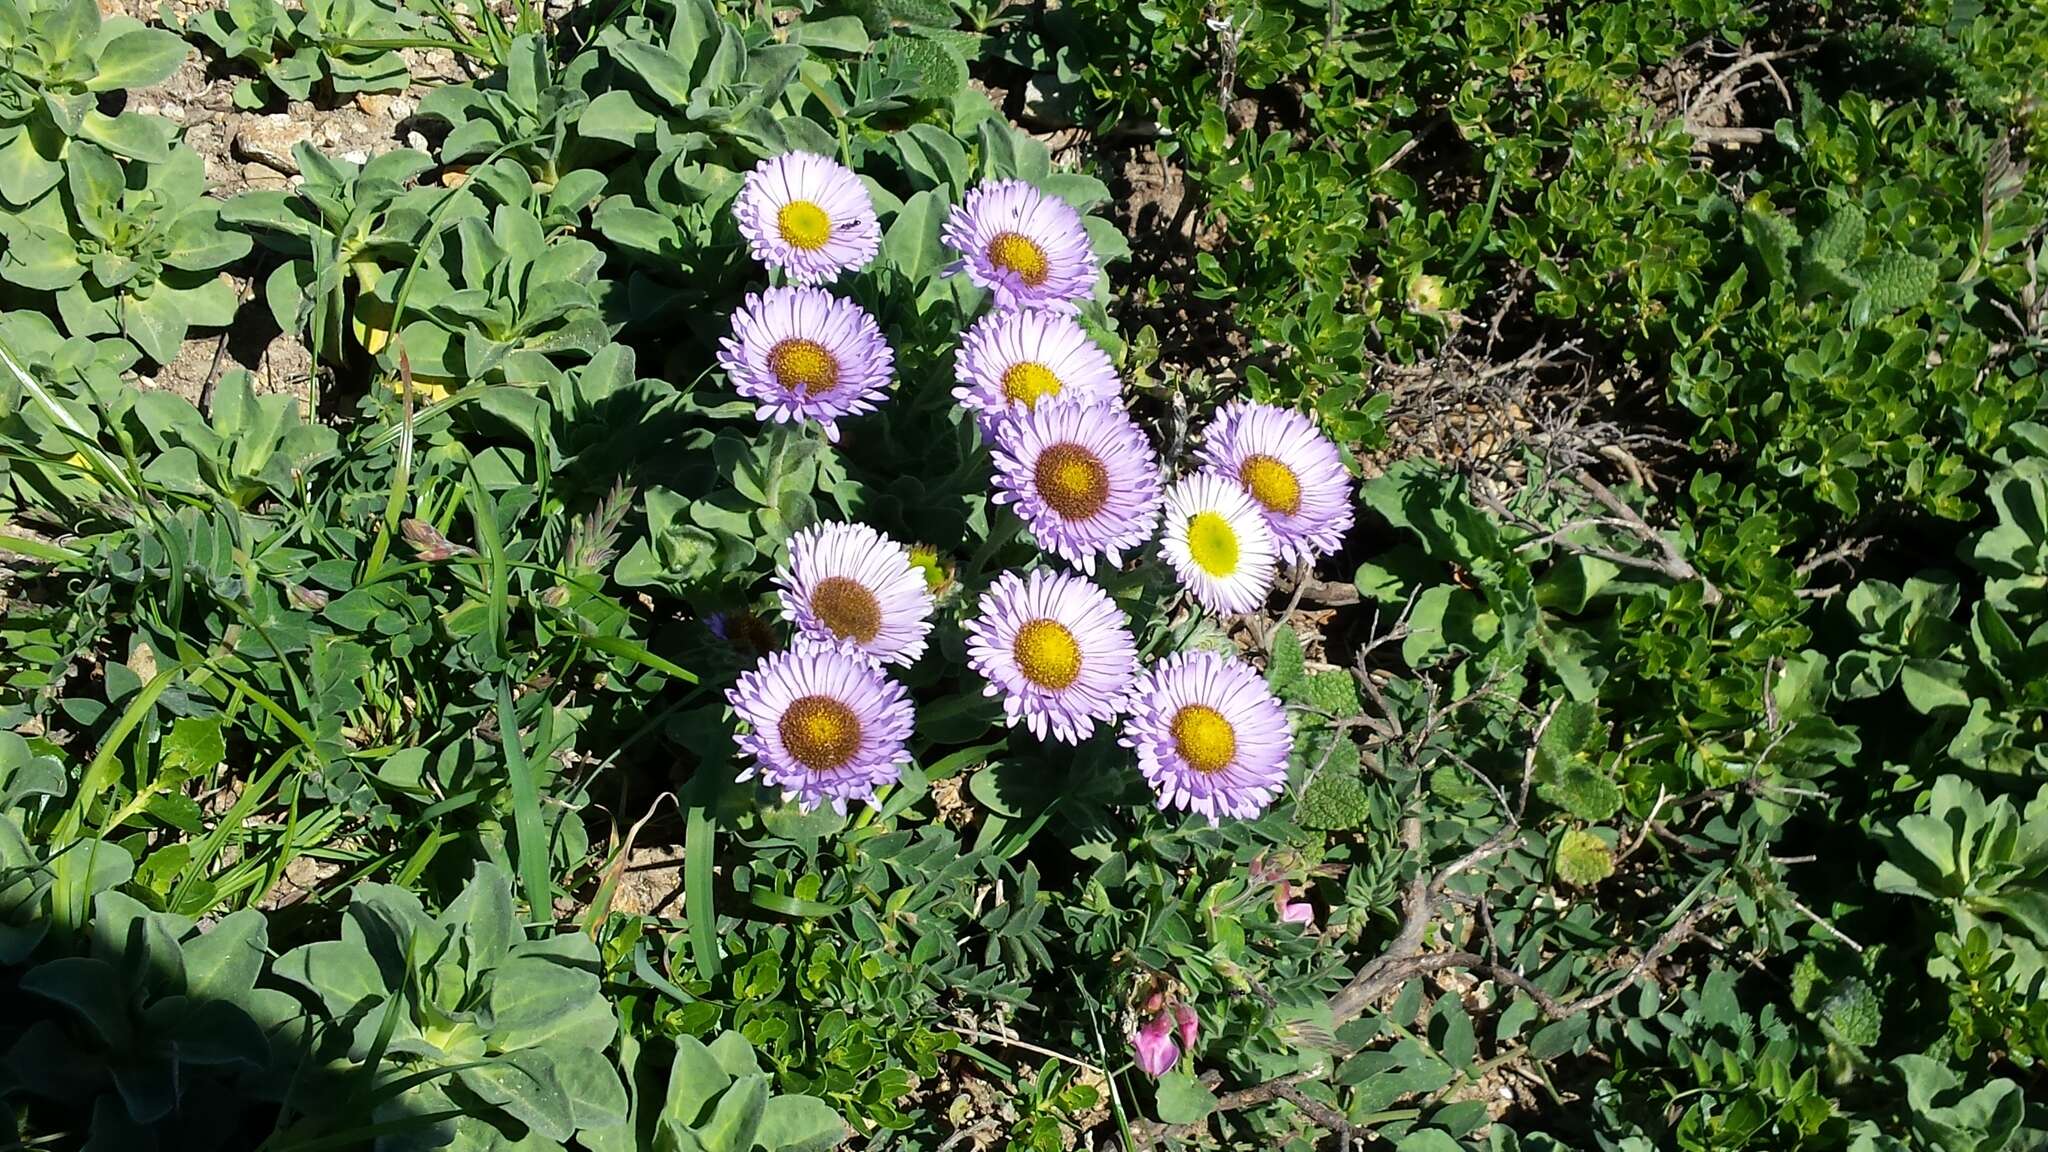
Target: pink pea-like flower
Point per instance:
(1154, 1046)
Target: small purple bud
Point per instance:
(1185, 1016)
(1154, 1046)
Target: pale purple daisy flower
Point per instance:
(805, 354)
(1010, 361)
(1209, 735)
(1291, 470)
(1218, 543)
(826, 726)
(1057, 649)
(849, 587)
(1083, 478)
(1026, 246)
(807, 215)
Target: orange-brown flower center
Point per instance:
(847, 608)
(1073, 480)
(820, 732)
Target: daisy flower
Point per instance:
(1026, 246)
(1083, 478)
(1209, 736)
(826, 726)
(1290, 470)
(804, 354)
(1058, 651)
(1010, 361)
(849, 587)
(1218, 543)
(807, 215)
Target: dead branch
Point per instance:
(1704, 137)
(1322, 593)
(1671, 561)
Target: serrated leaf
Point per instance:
(1583, 859)
(1898, 280)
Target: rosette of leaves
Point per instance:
(2008, 633)
(57, 59)
(134, 250)
(329, 49)
(717, 1099)
(153, 1030)
(2013, 552)
(495, 298)
(341, 230)
(1979, 859)
(1906, 632)
(524, 111)
(477, 1034)
(680, 89)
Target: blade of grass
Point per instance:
(526, 823)
(700, 847)
(618, 646)
(106, 764)
(491, 544)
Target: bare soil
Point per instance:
(252, 149)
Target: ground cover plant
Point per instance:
(686, 575)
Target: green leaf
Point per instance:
(139, 59)
(1284, 667)
(43, 261)
(96, 180)
(617, 116)
(524, 1085)
(800, 1124)
(666, 76)
(737, 1116)
(1583, 859)
(131, 135)
(1839, 240)
(195, 746)
(223, 962)
(89, 987)
(1772, 237)
(911, 246)
(1182, 1099)
(536, 1002)
(693, 1080)
(1898, 280)
(200, 244)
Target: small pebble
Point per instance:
(416, 141)
(174, 112)
(357, 156)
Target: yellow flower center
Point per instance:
(1028, 383)
(1204, 738)
(802, 365)
(822, 733)
(1047, 654)
(847, 608)
(804, 225)
(1020, 255)
(1271, 483)
(1213, 543)
(1072, 480)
